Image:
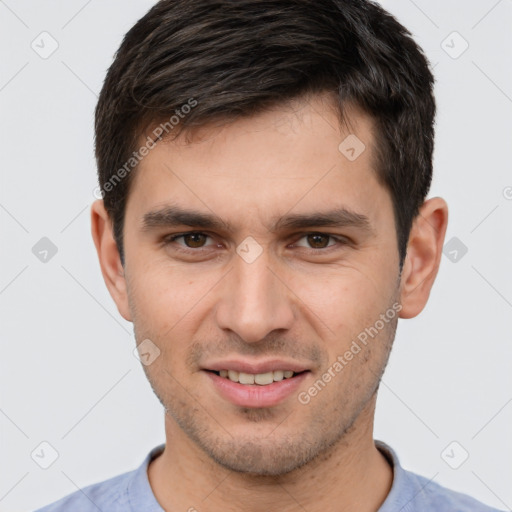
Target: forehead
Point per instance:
(296, 156)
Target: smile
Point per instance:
(261, 379)
(266, 389)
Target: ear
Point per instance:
(424, 251)
(109, 258)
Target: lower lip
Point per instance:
(254, 395)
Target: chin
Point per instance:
(253, 459)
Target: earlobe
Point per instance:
(424, 252)
(109, 259)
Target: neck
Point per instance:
(350, 475)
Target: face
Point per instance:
(260, 247)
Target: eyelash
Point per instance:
(340, 241)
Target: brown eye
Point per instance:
(192, 240)
(195, 240)
(318, 241)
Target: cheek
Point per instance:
(171, 305)
(166, 293)
(341, 298)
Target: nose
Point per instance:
(254, 300)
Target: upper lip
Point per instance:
(255, 367)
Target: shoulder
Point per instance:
(415, 493)
(121, 493)
(108, 495)
(436, 497)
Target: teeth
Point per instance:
(262, 379)
(246, 378)
(278, 375)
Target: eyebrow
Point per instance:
(172, 216)
(337, 218)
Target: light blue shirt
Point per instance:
(131, 492)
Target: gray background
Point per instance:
(68, 374)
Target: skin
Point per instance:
(299, 300)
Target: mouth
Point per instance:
(256, 390)
(259, 379)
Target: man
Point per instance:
(264, 167)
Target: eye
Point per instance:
(196, 240)
(191, 240)
(319, 241)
